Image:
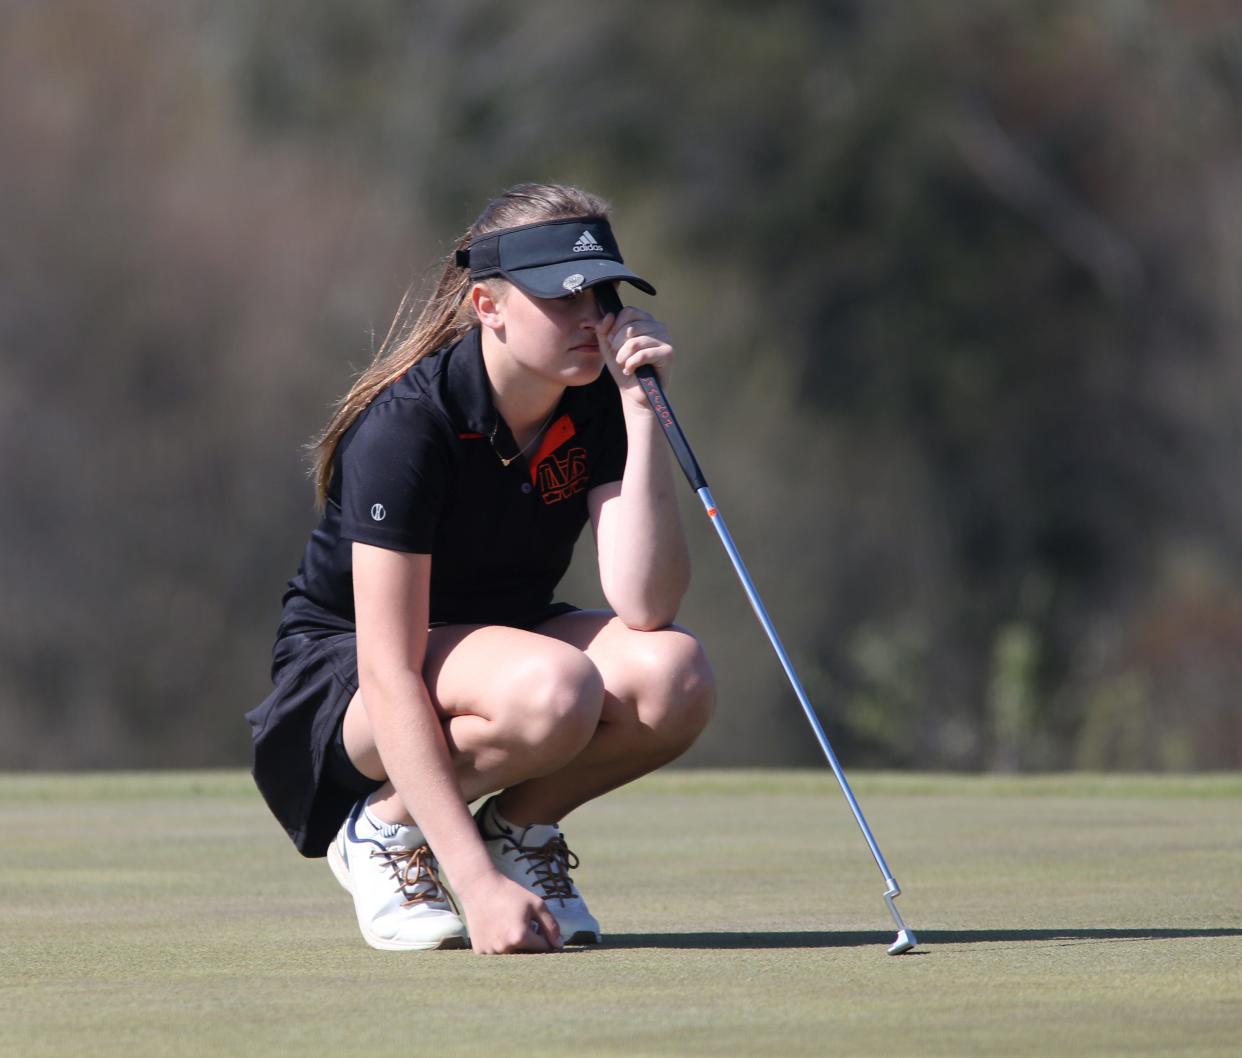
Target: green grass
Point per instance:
(165, 914)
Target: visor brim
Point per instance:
(566, 278)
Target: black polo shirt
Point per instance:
(417, 472)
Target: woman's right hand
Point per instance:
(503, 917)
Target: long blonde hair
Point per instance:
(448, 314)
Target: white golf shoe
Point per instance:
(537, 858)
(392, 875)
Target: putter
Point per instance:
(608, 301)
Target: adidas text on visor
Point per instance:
(551, 259)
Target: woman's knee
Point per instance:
(554, 700)
(675, 689)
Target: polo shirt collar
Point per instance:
(469, 387)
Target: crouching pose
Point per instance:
(421, 663)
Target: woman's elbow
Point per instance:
(646, 622)
(649, 602)
(648, 615)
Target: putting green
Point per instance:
(165, 914)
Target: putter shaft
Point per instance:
(609, 301)
(739, 567)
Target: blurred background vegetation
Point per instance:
(955, 286)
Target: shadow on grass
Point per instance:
(861, 938)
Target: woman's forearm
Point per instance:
(644, 560)
(412, 746)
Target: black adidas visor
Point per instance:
(551, 259)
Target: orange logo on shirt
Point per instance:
(561, 477)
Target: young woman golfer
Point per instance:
(421, 663)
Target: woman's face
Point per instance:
(552, 338)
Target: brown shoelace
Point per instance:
(550, 864)
(415, 872)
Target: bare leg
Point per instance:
(513, 704)
(659, 697)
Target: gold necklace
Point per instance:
(526, 447)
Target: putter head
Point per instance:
(904, 942)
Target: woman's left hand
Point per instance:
(627, 341)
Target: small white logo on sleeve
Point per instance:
(378, 512)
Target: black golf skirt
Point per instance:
(299, 764)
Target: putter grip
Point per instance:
(608, 300)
